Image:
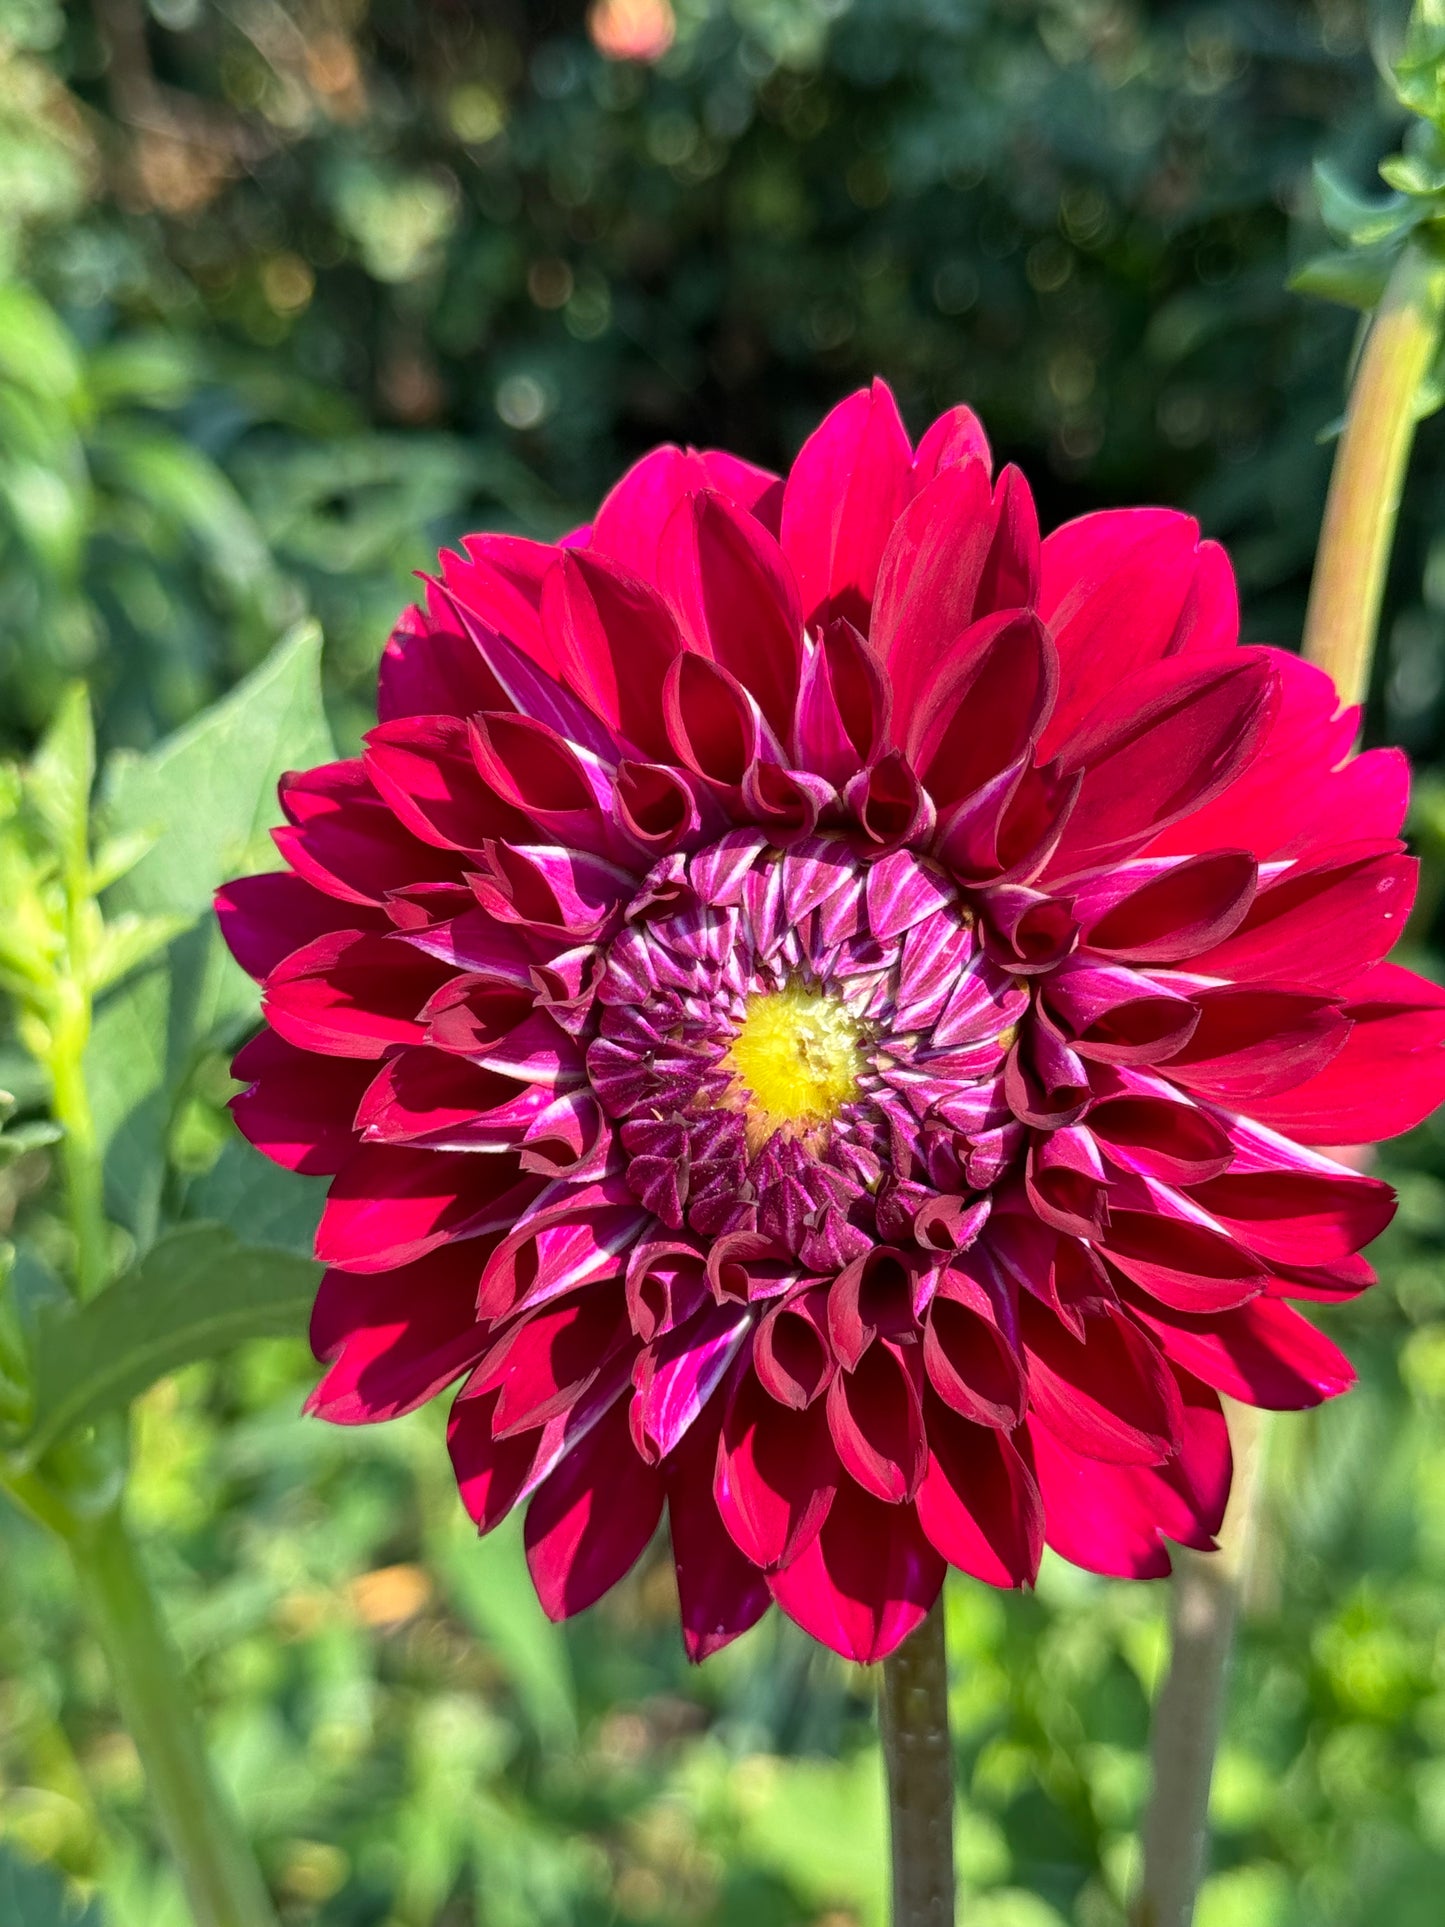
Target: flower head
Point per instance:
(814, 1002)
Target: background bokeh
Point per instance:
(293, 292)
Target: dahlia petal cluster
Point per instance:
(820, 1010)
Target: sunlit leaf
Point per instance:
(196, 1294)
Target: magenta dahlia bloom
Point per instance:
(819, 1008)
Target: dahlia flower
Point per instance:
(820, 1009)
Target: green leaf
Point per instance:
(36, 1896)
(261, 1202)
(128, 941)
(202, 801)
(1355, 219)
(1412, 174)
(197, 1293)
(1354, 279)
(62, 773)
(208, 793)
(36, 352)
(117, 856)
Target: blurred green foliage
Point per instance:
(294, 291)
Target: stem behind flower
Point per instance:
(1205, 1595)
(1369, 470)
(918, 1758)
(222, 1881)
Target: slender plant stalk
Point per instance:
(1205, 1596)
(222, 1881)
(1340, 629)
(919, 1763)
(80, 1159)
(1369, 471)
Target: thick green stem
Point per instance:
(1205, 1594)
(222, 1880)
(1340, 629)
(1369, 471)
(919, 1762)
(80, 1155)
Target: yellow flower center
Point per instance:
(797, 1060)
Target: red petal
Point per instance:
(1322, 924)
(1167, 740)
(423, 769)
(1389, 1076)
(431, 668)
(1250, 1042)
(929, 578)
(776, 1476)
(352, 995)
(736, 599)
(876, 1419)
(389, 1205)
(345, 840)
(394, 1340)
(844, 493)
(866, 1581)
(1109, 1395)
(264, 918)
(1298, 1217)
(299, 1109)
(1263, 1353)
(978, 1503)
(719, 1592)
(614, 638)
(1116, 587)
(629, 524)
(589, 1521)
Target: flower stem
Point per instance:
(1205, 1594)
(919, 1764)
(1369, 470)
(222, 1880)
(80, 1157)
